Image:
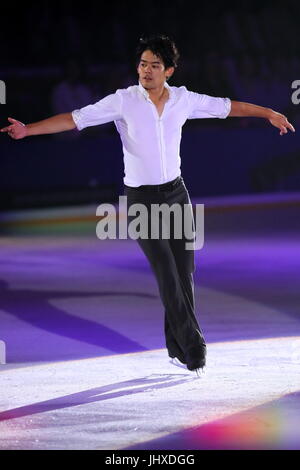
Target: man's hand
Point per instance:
(17, 130)
(241, 109)
(280, 121)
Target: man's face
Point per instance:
(151, 70)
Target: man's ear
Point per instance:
(169, 72)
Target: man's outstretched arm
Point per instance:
(52, 125)
(240, 109)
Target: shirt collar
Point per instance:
(146, 94)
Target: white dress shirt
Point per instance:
(151, 143)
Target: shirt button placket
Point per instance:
(160, 137)
(162, 148)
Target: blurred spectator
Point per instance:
(232, 31)
(280, 84)
(248, 84)
(71, 93)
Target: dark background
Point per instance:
(60, 56)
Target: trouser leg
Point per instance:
(172, 345)
(185, 263)
(175, 290)
(173, 267)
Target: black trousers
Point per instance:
(173, 266)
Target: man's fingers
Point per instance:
(288, 125)
(7, 129)
(283, 130)
(283, 124)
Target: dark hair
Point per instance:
(161, 46)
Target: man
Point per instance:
(149, 118)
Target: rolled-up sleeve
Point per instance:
(106, 110)
(205, 106)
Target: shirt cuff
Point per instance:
(76, 119)
(227, 105)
